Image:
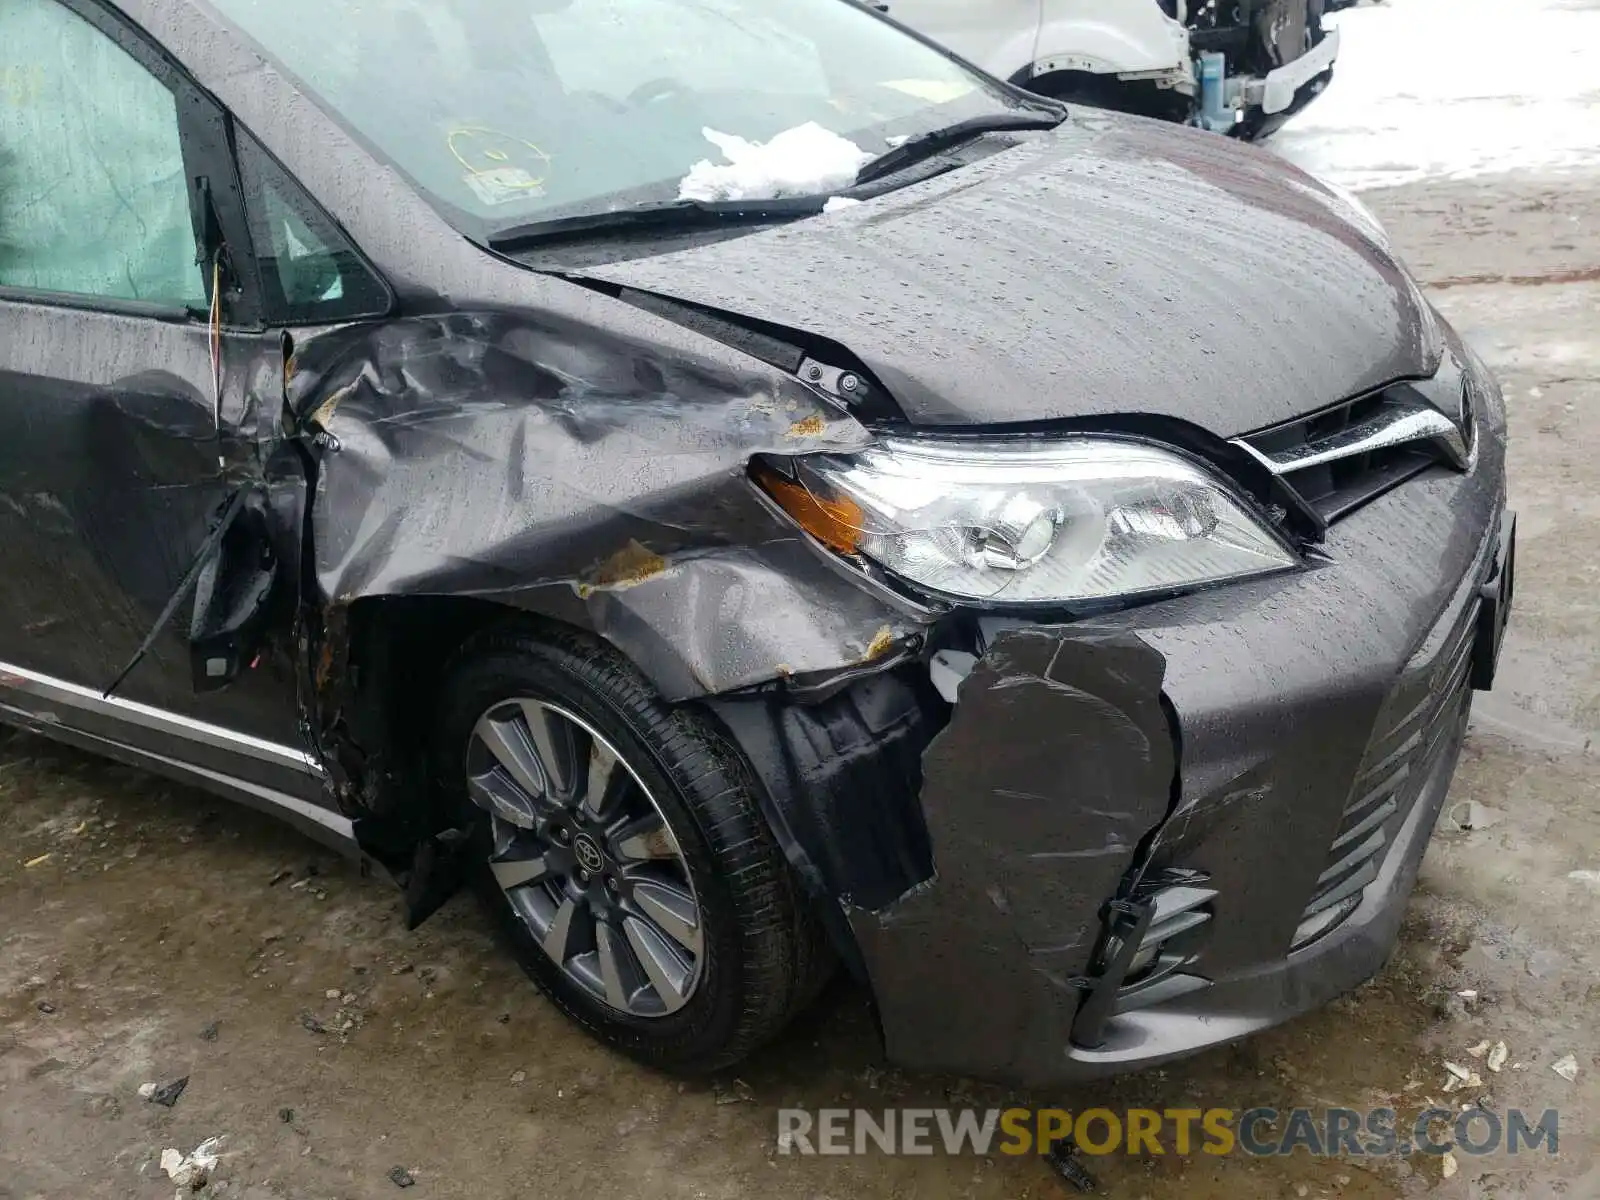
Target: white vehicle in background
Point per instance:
(1236, 66)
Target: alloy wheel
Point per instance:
(586, 858)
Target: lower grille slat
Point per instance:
(1423, 712)
(1385, 787)
(1352, 885)
(1367, 823)
(1352, 860)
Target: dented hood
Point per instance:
(1114, 266)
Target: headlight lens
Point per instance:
(1062, 521)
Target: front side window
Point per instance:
(309, 271)
(93, 196)
(506, 111)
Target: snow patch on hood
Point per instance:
(802, 161)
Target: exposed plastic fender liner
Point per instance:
(840, 781)
(1056, 765)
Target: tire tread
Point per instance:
(783, 956)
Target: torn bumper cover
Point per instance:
(1176, 825)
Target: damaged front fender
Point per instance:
(461, 467)
(579, 476)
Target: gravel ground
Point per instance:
(149, 932)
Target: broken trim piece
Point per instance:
(191, 577)
(1057, 764)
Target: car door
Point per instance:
(122, 391)
(998, 35)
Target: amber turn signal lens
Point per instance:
(836, 523)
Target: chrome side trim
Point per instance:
(1398, 421)
(330, 828)
(326, 826)
(45, 691)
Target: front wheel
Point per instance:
(625, 856)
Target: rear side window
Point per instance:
(94, 199)
(310, 272)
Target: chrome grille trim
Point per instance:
(1338, 458)
(1398, 421)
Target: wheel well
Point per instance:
(397, 650)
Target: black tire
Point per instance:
(765, 956)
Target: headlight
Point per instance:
(1062, 521)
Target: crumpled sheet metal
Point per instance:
(1057, 761)
(586, 477)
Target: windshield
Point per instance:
(509, 111)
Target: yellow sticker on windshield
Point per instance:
(503, 186)
(500, 167)
(934, 91)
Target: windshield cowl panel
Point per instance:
(505, 113)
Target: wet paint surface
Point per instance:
(1499, 912)
(522, 440)
(1114, 266)
(147, 953)
(1059, 762)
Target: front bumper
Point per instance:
(1280, 749)
(1278, 89)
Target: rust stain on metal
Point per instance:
(324, 674)
(328, 407)
(879, 646)
(811, 426)
(629, 566)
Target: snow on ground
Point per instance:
(1452, 89)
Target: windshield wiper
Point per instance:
(691, 214)
(666, 214)
(925, 144)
